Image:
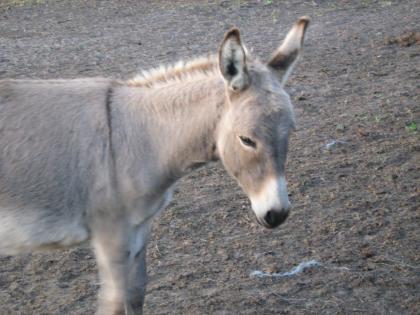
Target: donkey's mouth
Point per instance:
(273, 219)
(263, 223)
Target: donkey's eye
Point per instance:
(248, 142)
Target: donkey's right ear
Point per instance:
(232, 61)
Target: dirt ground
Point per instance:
(355, 201)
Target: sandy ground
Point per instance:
(356, 201)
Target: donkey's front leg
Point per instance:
(137, 275)
(110, 240)
(121, 254)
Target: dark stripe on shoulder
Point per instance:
(108, 103)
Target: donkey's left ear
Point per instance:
(284, 58)
(232, 61)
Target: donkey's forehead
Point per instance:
(268, 99)
(265, 110)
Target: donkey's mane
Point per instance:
(182, 70)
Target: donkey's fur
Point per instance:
(96, 159)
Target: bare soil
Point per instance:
(356, 200)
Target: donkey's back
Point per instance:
(53, 160)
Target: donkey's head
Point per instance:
(254, 131)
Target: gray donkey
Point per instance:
(97, 159)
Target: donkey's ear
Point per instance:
(284, 58)
(232, 61)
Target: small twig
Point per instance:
(289, 299)
(158, 251)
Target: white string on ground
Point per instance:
(334, 143)
(295, 270)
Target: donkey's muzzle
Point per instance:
(274, 218)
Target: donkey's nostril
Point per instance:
(275, 218)
(270, 217)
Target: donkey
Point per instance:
(97, 159)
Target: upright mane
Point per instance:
(201, 66)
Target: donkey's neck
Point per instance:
(171, 128)
(187, 116)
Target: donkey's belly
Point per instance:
(28, 229)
